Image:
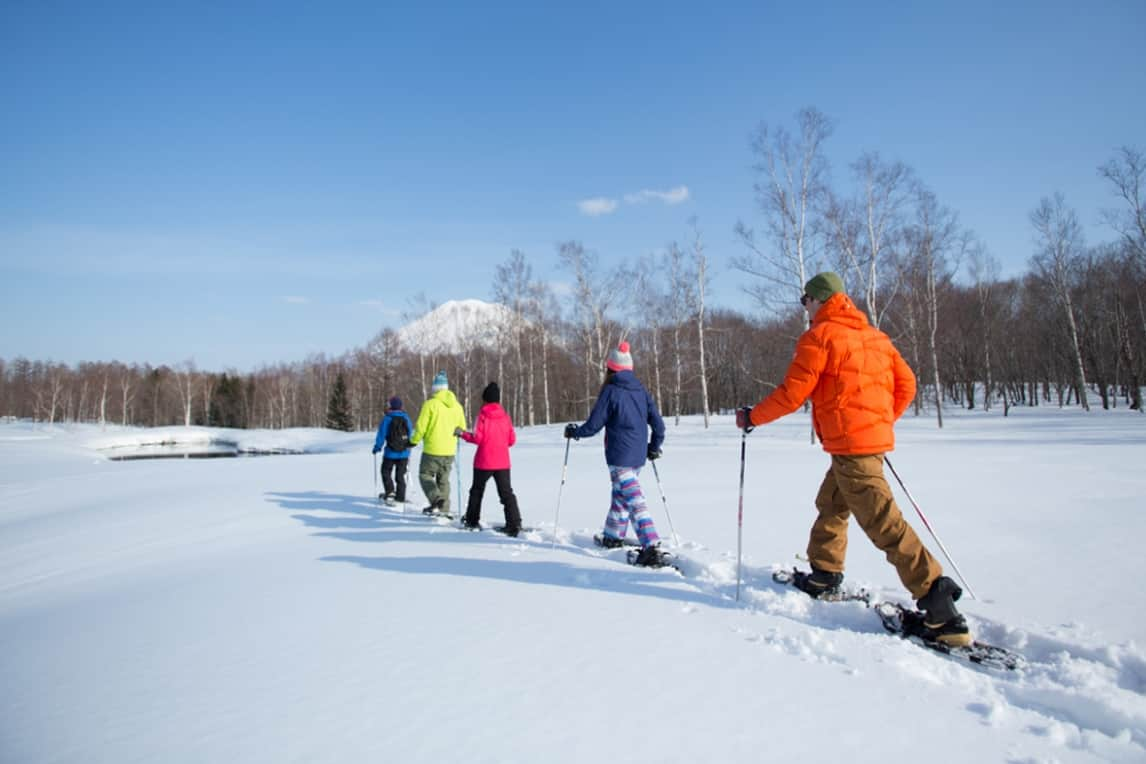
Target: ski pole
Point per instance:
(375, 474)
(740, 510)
(930, 529)
(461, 518)
(656, 472)
(564, 469)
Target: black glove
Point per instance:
(570, 430)
(743, 421)
(375, 450)
(654, 453)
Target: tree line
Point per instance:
(1071, 331)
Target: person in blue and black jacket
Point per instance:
(393, 440)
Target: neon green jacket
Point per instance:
(436, 422)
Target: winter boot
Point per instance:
(389, 500)
(607, 541)
(941, 621)
(470, 525)
(819, 582)
(651, 557)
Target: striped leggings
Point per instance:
(629, 504)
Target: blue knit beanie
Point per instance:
(395, 403)
(440, 382)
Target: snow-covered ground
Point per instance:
(267, 609)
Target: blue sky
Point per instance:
(248, 183)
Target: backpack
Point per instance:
(397, 437)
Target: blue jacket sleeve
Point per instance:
(598, 416)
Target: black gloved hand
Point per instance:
(570, 430)
(654, 453)
(743, 420)
(375, 450)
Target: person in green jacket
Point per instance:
(440, 416)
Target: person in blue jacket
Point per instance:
(626, 411)
(393, 440)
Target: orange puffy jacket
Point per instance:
(858, 382)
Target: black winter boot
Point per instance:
(607, 541)
(819, 582)
(651, 557)
(941, 621)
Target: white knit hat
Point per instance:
(619, 358)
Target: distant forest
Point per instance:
(1070, 332)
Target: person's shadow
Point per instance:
(362, 520)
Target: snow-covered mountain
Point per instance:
(456, 326)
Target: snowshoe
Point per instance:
(836, 592)
(611, 542)
(910, 624)
(651, 557)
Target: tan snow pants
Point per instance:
(855, 485)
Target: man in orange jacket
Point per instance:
(859, 385)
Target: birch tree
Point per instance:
(984, 270)
(792, 182)
(1126, 172)
(700, 268)
(183, 379)
(512, 288)
(885, 189)
(127, 380)
(681, 286)
(421, 335)
(651, 303)
(544, 312)
(933, 239)
(1058, 242)
(592, 296)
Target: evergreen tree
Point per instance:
(338, 410)
(227, 404)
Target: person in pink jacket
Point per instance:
(493, 434)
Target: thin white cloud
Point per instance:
(603, 205)
(296, 300)
(597, 206)
(672, 196)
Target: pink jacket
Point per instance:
(493, 434)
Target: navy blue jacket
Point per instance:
(384, 430)
(626, 411)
